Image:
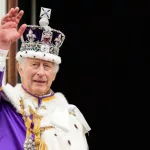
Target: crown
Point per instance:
(41, 41)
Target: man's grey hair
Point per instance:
(23, 60)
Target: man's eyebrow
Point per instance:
(47, 62)
(33, 62)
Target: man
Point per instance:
(32, 116)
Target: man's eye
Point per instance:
(47, 66)
(34, 64)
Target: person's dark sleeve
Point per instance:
(1, 79)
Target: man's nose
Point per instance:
(40, 71)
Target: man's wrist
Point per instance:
(5, 47)
(3, 44)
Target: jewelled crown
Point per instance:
(41, 42)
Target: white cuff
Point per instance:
(3, 56)
(3, 53)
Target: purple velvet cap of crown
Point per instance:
(36, 31)
(39, 32)
(36, 35)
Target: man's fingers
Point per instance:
(10, 13)
(16, 10)
(19, 16)
(4, 19)
(13, 15)
(13, 12)
(22, 29)
(7, 16)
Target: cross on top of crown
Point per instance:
(45, 13)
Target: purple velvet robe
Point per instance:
(12, 128)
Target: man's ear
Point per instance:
(54, 76)
(19, 68)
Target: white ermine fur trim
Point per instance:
(52, 106)
(61, 99)
(73, 109)
(54, 112)
(39, 55)
(13, 97)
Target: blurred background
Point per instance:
(85, 75)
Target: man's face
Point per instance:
(37, 76)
